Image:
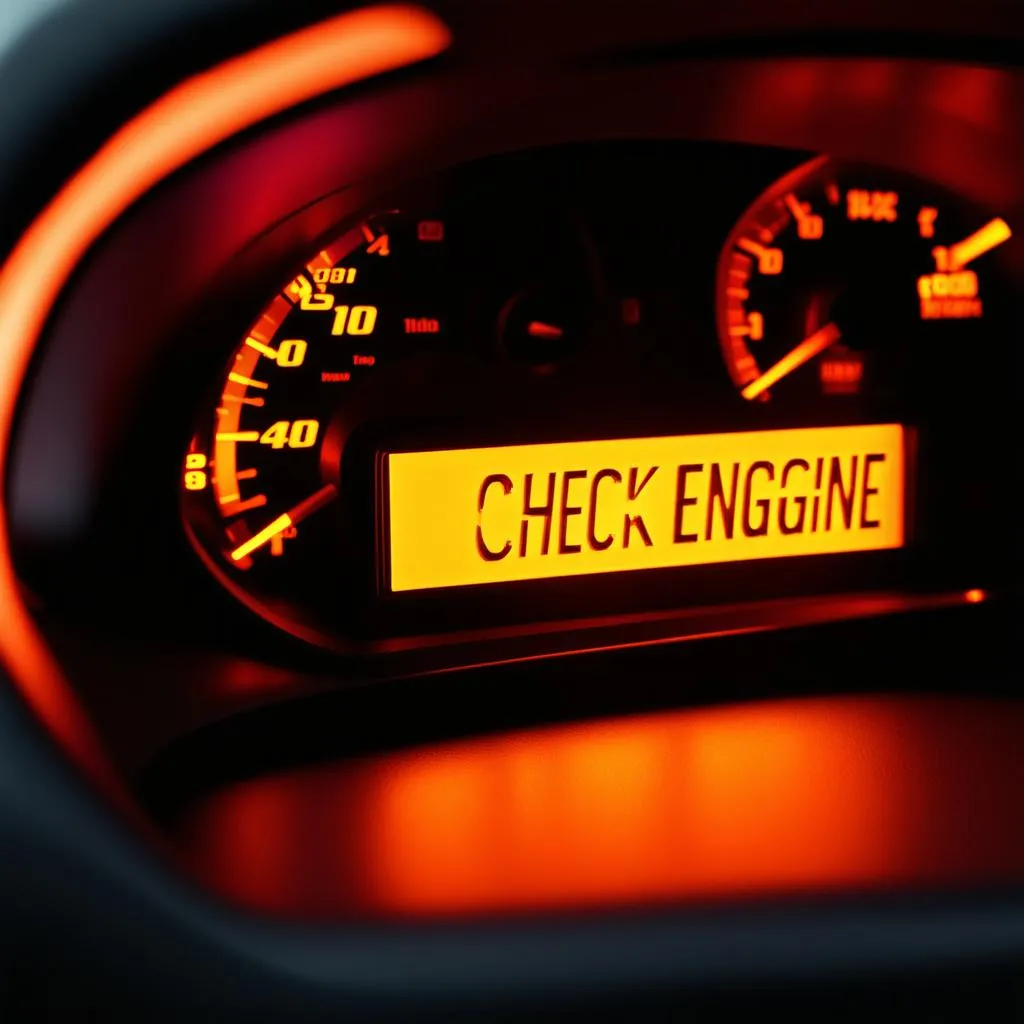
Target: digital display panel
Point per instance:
(527, 512)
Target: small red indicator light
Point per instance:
(537, 329)
(841, 375)
(421, 325)
(430, 230)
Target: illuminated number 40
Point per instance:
(283, 434)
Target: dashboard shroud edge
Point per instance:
(164, 137)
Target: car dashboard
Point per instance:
(521, 520)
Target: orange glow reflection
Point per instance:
(791, 797)
(193, 117)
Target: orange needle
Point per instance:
(536, 329)
(303, 510)
(264, 350)
(806, 350)
(994, 233)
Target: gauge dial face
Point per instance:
(261, 487)
(838, 278)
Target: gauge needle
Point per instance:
(806, 350)
(994, 233)
(537, 329)
(292, 517)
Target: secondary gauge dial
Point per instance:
(831, 283)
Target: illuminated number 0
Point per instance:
(300, 434)
(770, 261)
(354, 320)
(291, 353)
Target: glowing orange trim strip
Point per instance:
(184, 123)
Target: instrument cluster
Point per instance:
(610, 378)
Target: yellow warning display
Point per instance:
(526, 512)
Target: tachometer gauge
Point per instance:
(259, 482)
(839, 279)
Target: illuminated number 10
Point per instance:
(354, 320)
(810, 226)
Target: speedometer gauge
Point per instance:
(838, 279)
(259, 486)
